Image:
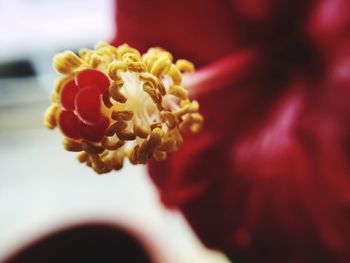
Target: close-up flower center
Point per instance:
(114, 103)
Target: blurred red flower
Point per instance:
(267, 180)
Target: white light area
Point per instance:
(29, 26)
(43, 188)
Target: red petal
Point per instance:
(87, 104)
(329, 18)
(68, 93)
(69, 124)
(95, 131)
(91, 78)
(211, 31)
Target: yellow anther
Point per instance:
(106, 54)
(147, 148)
(91, 58)
(126, 135)
(101, 45)
(97, 164)
(157, 52)
(186, 124)
(108, 166)
(184, 65)
(133, 155)
(115, 67)
(149, 60)
(197, 117)
(131, 57)
(90, 148)
(114, 91)
(165, 53)
(104, 153)
(191, 107)
(197, 122)
(140, 131)
(50, 118)
(161, 88)
(54, 97)
(111, 129)
(185, 103)
(174, 135)
(155, 125)
(170, 119)
(136, 66)
(154, 94)
(111, 145)
(120, 125)
(117, 162)
(196, 127)
(156, 135)
(160, 66)
(151, 79)
(191, 121)
(107, 99)
(175, 75)
(123, 49)
(145, 152)
(66, 62)
(152, 56)
(72, 146)
(180, 112)
(107, 51)
(83, 157)
(178, 91)
(60, 82)
(96, 60)
(124, 115)
(85, 54)
(154, 82)
(168, 145)
(162, 52)
(159, 155)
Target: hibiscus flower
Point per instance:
(267, 180)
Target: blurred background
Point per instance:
(42, 187)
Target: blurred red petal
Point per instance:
(270, 186)
(200, 31)
(329, 19)
(336, 83)
(257, 10)
(267, 180)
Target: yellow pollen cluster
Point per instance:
(146, 105)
